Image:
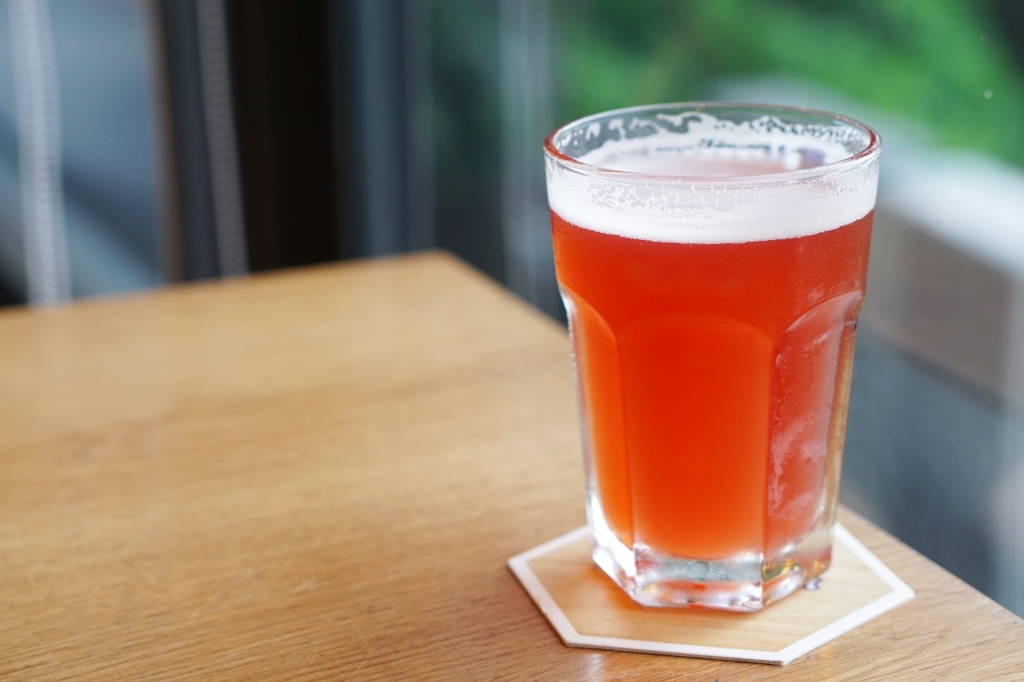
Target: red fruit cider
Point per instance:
(714, 377)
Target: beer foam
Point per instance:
(708, 184)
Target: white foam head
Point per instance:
(693, 177)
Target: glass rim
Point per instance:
(864, 156)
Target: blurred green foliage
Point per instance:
(931, 61)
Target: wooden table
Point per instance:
(320, 475)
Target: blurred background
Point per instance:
(144, 142)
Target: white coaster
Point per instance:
(588, 610)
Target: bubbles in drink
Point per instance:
(654, 187)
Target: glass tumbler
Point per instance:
(712, 259)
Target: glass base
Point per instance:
(748, 582)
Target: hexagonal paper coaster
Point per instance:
(588, 610)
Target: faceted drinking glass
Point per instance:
(712, 259)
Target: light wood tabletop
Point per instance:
(319, 475)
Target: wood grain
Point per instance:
(320, 475)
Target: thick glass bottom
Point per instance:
(747, 582)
